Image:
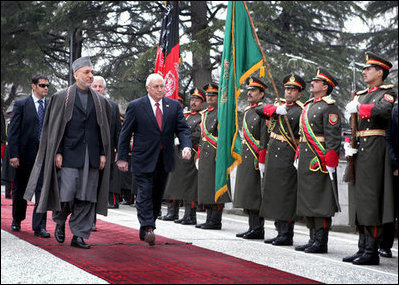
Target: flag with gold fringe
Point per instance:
(241, 57)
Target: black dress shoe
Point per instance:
(15, 227)
(189, 221)
(149, 236)
(179, 221)
(212, 226)
(255, 234)
(42, 233)
(242, 234)
(59, 233)
(79, 242)
(270, 240)
(385, 252)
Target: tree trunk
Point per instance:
(201, 71)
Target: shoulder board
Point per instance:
(281, 99)
(362, 92)
(299, 103)
(329, 100)
(386, 87)
(203, 111)
(307, 102)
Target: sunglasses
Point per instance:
(43, 85)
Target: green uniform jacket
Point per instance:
(207, 161)
(373, 189)
(247, 192)
(280, 179)
(315, 194)
(182, 183)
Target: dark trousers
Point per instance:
(150, 190)
(19, 204)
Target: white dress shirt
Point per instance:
(36, 101)
(154, 108)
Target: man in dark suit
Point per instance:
(153, 120)
(23, 143)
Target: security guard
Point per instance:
(373, 189)
(280, 183)
(247, 193)
(173, 190)
(187, 178)
(207, 162)
(318, 154)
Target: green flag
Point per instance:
(241, 57)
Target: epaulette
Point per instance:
(362, 92)
(203, 111)
(329, 100)
(308, 101)
(300, 104)
(386, 87)
(276, 102)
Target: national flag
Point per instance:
(241, 57)
(167, 61)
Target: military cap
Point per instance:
(211, 89)
(198, 92)
(375, 60)
(180, 97)
(294, 80)
(254, 82)
(323, 74)
(81, 62)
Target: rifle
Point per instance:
(349, 174)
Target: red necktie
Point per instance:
(158, 116)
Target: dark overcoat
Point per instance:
(58, 113)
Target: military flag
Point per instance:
(241, 57)
(167, 61)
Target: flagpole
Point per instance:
(270, 75)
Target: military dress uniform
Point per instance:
(207, 165)
(182, 183)
(373, 188)
(247, 193)
(280, 179)
(317, 200)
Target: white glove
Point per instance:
(186, 153)
(349, 151)
(296, 164)
(197, 164)
(261, 169)
(177, 142)
(281, 110)
(352, 106)
(331, 171)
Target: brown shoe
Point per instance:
(149, 236)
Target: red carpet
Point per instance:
(118, 256)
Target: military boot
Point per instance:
(286, 234)
(277, 226)
(185, 216)
(361, 244)
(249, 229)
(310, 242)
(215, 222)
(370, 255)
(321, 241)
(208, 218)
(258, 231)
(173, 211)
(190, 215)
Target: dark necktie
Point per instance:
(40, 113)
(158, 116)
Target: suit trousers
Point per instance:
(82, 216)
(150, 190)
(19, 204)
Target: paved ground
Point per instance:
(22, 262)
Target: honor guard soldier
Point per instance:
(187, 178)
(247, 193)
(318, 155)
(173, 190)
(373, 189)
(207, 162)
(280, 178)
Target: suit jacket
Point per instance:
(148, 138)
(80, 131)
(23, 131)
